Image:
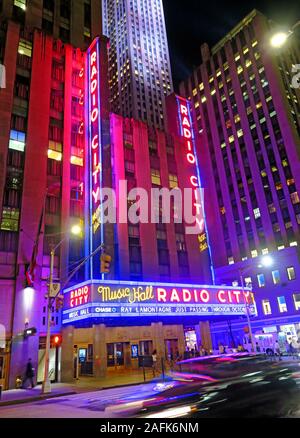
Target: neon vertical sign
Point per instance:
(186, 131)
(94, 143)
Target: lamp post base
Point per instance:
(46, 387)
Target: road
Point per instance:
(98, 404)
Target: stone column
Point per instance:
(181, 340)
(158, 339)
(100, 351)
(206, 335)
(67, 355)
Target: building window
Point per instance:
(25, 48)
(257, 214)
(173, 181)
(291, 273)
(297, 301)
(155, 177)
(254, 253)
(10, 219)
(282, 304)
(261, 280)
(17, 140)
(267, 307)
(276, 277)
(20, 4)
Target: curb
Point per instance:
(34, 399)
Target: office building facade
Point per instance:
(248, 114)
(139, 64)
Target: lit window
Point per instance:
(248, 63)
(76, 160)
(10, 219)
(25, 48)
(155, 177)
(282, 304)
(173, 181)
(254, 43)
(240, 133)
(203, 99)
(54, 155)
(293, 244)
(248, 281)
(201, 86)
(291, 273)
(20, 4)
(17, 140)
(240, 69)
(297, 301)
(213, 92)
(256, 212)
(295, 198)
(237, 58)
(280, 248)
(230, 260)
(261, 280)
(276, 277)
(266, 307)
(194, 92)
(254, 253)
(265, 251)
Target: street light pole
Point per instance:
(46, 387)
(247, 311)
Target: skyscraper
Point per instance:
(248, 114)
(139, 63)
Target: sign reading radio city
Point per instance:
(94, 129)
(186, 131)
(99, 299)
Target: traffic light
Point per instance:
(59, 303)
(105, 263)
(56, 340)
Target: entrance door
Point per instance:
(171, 348)
(115, 355)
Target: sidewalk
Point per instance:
(114, 379)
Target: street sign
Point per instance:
(54, 290)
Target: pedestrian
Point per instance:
(154, 362)
(257, 348)
(29, 374)
(277, 350)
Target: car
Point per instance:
(244, 385)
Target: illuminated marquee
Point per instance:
(94, 130)
(99, 299)
(186, 130)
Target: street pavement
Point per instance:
(97, 404)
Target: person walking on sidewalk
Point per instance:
(154, 362)
(29, 374)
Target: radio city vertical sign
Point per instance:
(94, 133)
(186, 131)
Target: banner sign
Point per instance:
(100, 299)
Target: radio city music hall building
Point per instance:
(58, 138)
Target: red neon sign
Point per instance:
(79, 297)
(187, 134)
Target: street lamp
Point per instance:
(279, 39)
(266, 262)
(46, 387)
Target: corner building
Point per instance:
(248, 117)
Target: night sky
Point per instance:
(193, 22)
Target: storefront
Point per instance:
(110, 325)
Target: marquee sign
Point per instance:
(99, 299)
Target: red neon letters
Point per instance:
(186, 126)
